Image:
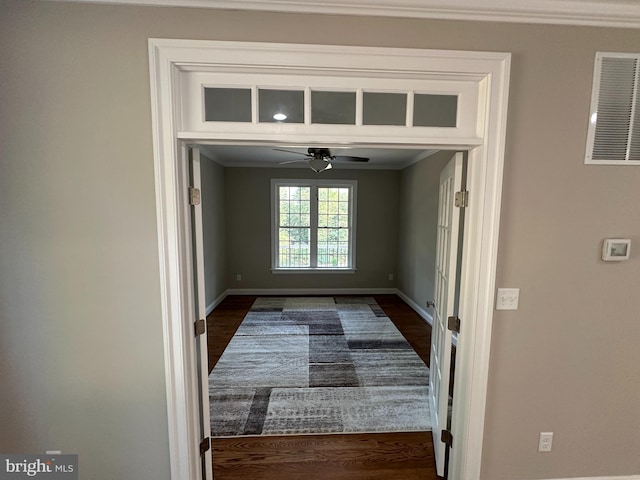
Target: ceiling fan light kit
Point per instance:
(319, 164)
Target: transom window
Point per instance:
(313, 225)
(330, 107)
(345, 104)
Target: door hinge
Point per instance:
(205, 445)
(462, 199)
(453, 324)
(194, 196)
(431, 304)
(200, 326)
(446, 437)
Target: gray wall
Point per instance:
(417, 234)
(81, 350)
(81, 355)
(213, 225)
(248, 194)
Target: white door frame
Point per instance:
(484, 181)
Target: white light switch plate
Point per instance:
(507, 299)
(546, 442)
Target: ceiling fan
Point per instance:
(319, 159)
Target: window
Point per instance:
(384, 108)
(435, 110)
(227, 104)
(281, 105)
(338, 108)
(313, 225)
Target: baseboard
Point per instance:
(332, 291)
(623, 477)
(419, 310)
(311, 291)
(425, 315)
(217, 302)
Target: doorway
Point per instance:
(178, 70)
(247, 199)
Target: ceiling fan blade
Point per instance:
(292, 161)
(346, 158)
(291, 151)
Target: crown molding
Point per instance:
(601, 13)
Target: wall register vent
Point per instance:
(614, 121)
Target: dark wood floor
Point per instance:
(384, 456)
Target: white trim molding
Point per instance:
(170, 60)
(601, 13)
(623, 477)
(311, 291)
(211, 307)
(418, 309)
(424, 314)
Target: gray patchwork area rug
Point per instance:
(318, 365)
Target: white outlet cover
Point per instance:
(508, 299)
(545, 444)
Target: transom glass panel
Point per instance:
(281, 106)
(333, 107)
(384, 108)
(227, 104)
(435, 110)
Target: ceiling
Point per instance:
(266, 156)
(606, 13)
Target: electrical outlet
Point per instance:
(239, 277)
(391, 276)
(546, 441)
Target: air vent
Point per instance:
(614, 126)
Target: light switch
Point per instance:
(507, 299)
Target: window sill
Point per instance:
(313, 270)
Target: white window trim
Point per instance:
(314, 184)
(168, 57)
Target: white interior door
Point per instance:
(200, 313)
(445, 285)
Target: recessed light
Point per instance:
(279, 117)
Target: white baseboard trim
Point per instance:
(311, 291)
(217, 302)
(426, 315)
(419, 310)
(624, 477)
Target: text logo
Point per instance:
(50, 467)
